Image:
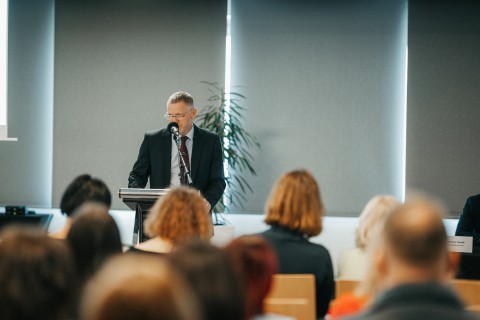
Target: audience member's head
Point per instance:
(372, 218)
(93, 237)
(134, 287)
(82, 189)
(255, 263)
(36, 275)
(369, 237)
(178, 216)
(415, 244)
(212, 277)
(295, 203)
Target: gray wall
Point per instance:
(443, 153)
(325, 86)
(26, 165)
(321, 72)
(116, 63)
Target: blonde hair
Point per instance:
(372, 219)
(178, 216)
(295, 203)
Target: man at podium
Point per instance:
(180, 154)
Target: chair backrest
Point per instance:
(292, 295)
(343, 286)
(468, 290)
(475, 309)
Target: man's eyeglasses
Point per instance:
(174, 116)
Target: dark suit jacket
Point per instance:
(469, 222)
(206, 167)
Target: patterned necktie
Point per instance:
(184, 152)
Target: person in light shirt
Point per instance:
(352, 263)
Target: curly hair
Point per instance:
(178, 216)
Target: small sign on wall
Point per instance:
(460, 244)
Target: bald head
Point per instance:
(415, 234)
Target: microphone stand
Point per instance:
(187, 178)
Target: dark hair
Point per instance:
(36, 275)
(82, 189)
(93, 237)
(212, 278)
(255, 262)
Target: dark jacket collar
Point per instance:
(428, 293)
(285, 231)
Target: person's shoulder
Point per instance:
(293, 239)
(156, 136)
(205, 132)
(135, 250)
(321, 249)
(281, 234)
(265, 232)
(474, 198)
(348, 304)
(158, 132)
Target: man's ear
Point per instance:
(194, 112)
(453, 261)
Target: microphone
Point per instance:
(173, 128)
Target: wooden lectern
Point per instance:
(140, 200)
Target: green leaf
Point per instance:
(238, 152)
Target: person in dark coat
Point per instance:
(469, 226)
(294, 212)
(469, 222)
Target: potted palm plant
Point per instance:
(224, 116)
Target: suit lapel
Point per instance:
(196, 151)
(167, 156)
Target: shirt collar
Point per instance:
(190, 134)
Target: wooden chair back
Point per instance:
(468, 290)
(292, 295)
(343, 286)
